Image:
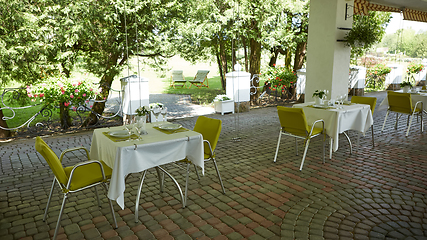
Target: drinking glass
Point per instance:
(164, 111)
(156, 112)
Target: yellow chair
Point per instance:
(401, 103)
(200, 78)
(371, 101)
(177, 78)
(293, 123)
(74, 178)
(210, 129)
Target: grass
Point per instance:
(202, 96)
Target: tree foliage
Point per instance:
(377, 22)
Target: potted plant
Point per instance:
(280, 78)
(363, 34)
(223, 104)
(406, 86)
(319, 95)
(141, 118)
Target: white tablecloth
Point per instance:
(350, 117)
(156, 148)
(415, 98)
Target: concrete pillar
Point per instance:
(328, 61)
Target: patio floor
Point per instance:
(375, 193)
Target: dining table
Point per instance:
(338, 119)
(129, 153)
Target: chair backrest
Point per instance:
(201, 75)
(52, 159)
(293, 120)
(210, 129)
(399, 102)
(177, 75)
(371, 101)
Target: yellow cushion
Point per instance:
(87, 174)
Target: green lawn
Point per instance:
(203, 95)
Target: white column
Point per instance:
(328, 61)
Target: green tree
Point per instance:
(23, 55)
(377, 22)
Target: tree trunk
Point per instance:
(223, 60)
(274, 54)
(245, 50)
(98, 107)
(65, 116)
(233, 55)
(221, 74)
(3, 133)
(300, 55)
(255, 65)
(105, 84)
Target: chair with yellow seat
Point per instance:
(371, 101)
(293, 123)
(73, 178)
(401, 103)
(210, 129)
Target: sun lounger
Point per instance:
(200, 78)
(177, 78)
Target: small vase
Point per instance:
(406, 89)
(318, 101)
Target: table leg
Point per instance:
(177, 186)
(139, 194)
(331, 141)
(349, 142)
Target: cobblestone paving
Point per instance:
(375, 193)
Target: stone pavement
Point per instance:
(376, 193)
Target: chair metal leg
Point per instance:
(409, 125)
(48, 201)
(296, 147)
(397, 120)
(372, 129)
(307, 142)
(97, 196)
(278, 144)
(111, 206)
(138, 195)
(60, 216)
(323, 149)
(219, 175)
(386, 115)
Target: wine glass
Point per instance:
(138, 129)
(128, 126)
(164, 111)
(156, 112)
